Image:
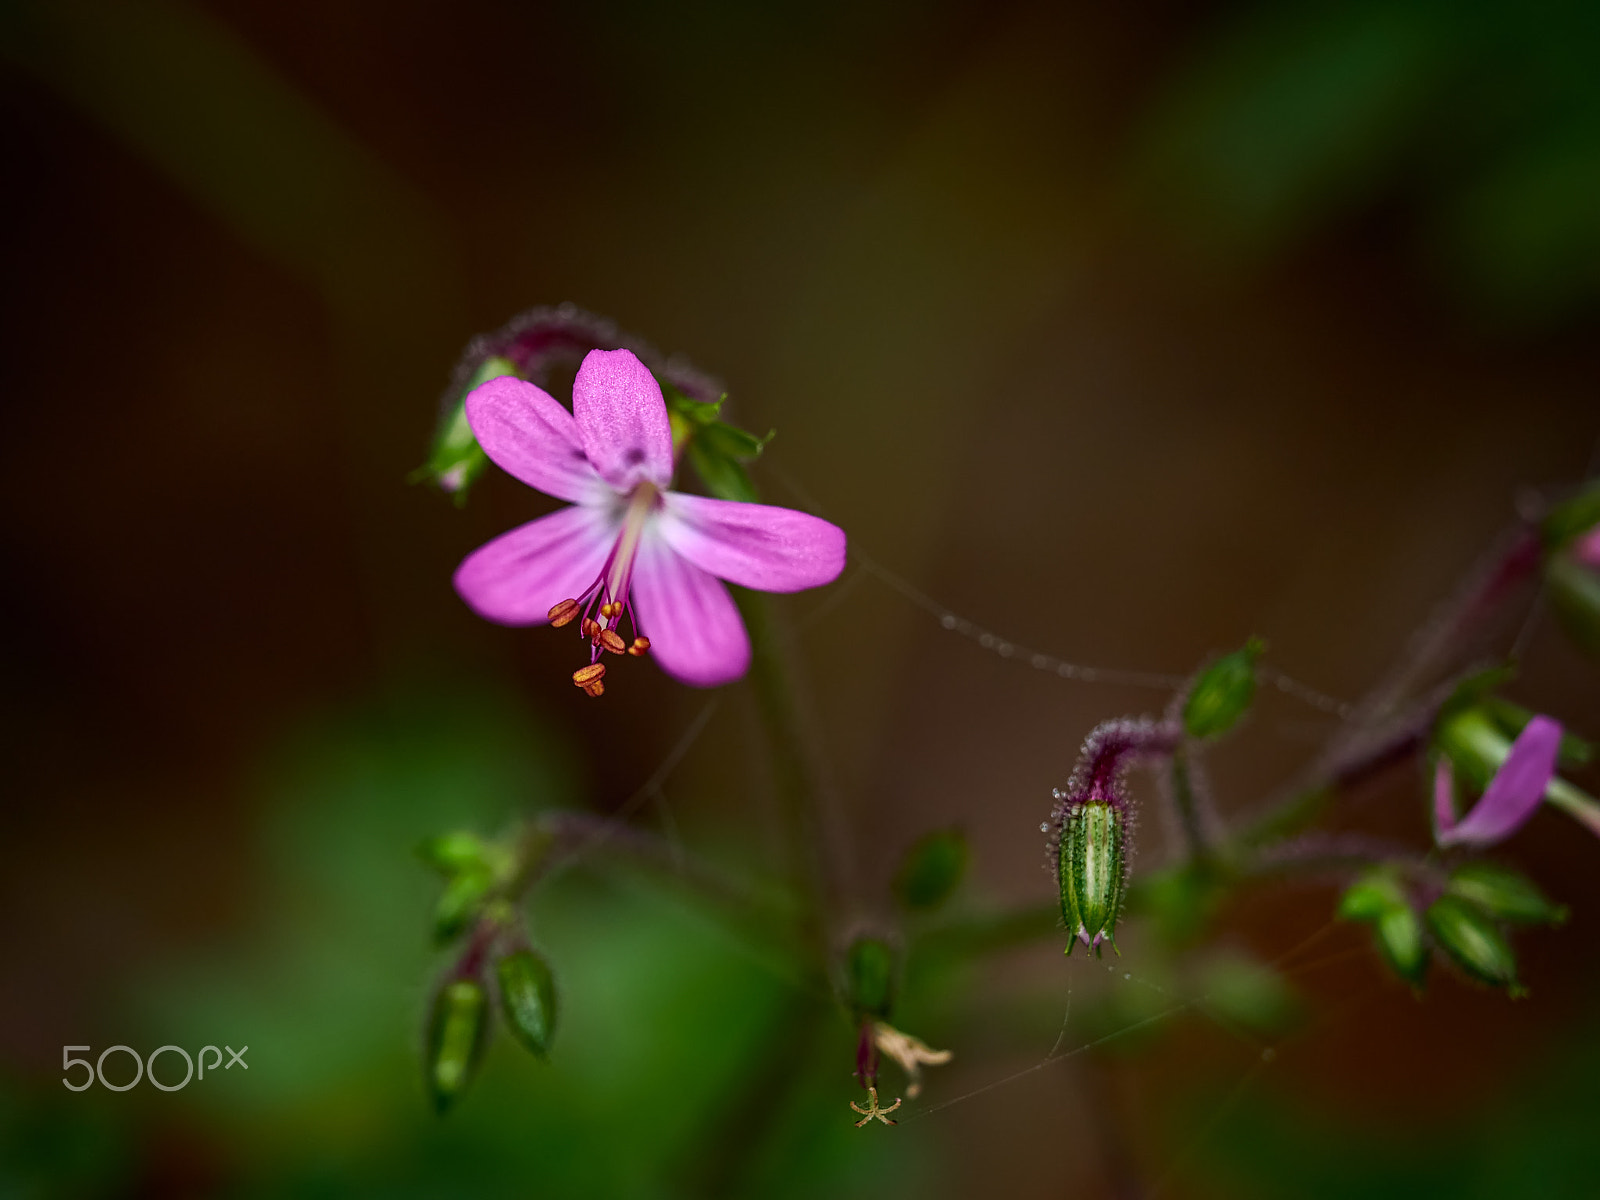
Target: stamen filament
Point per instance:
(607, 596)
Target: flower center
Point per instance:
(605, 601)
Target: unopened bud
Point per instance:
(528, 999)
(870, 967)
(1398, 936)
(1379, 899)
(456, 459)
(1470, 937)
(457, 1030)
(460, 902)
(452, 852)
(1505, 894)
(1093, 872)
(931, 869)
(1375, 893)
(1222, 693)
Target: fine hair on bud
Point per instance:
(1090, 831)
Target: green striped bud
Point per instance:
(1222, 693)
(1379, 899)
(1505, 894)
(1093, 871)
(457, 1032)
(528, 998)
(1473, 940)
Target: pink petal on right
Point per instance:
(1516, 790)
(754, 545)
(1587, 548)
(521, 575)
(695, 630)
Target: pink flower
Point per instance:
(628, 546)
(1512, 795)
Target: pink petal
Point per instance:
(754, 545)
(622, 419)
(1587, 548)
(517, 578)
(695, 631)
(1516, 789)
(529, 435)
(1444, 800)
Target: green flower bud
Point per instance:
(452, 852)
(1505, 894)
(870, 969)
(1379, 899)
(1398, 936)
(457, 1033)
(1093, 872)
(932, 869)
(461, 902)
(528, 999)
(1470, 937)
(1222, 693)
(456, 459)
(1370, 897)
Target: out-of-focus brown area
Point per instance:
(918, 241)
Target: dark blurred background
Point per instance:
(1128, 331)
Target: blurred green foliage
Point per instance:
(1479, 123)
(932, 869)
(1533, 1139)
(667, 1023)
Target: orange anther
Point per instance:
(610, 640)
(610, 609)
(586, 677)
(595, 689)
(640, 645)
(590, 627)
(563, 613)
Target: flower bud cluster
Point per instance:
(496, 969)
(1465, 915)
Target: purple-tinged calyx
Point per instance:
(1090, 826)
